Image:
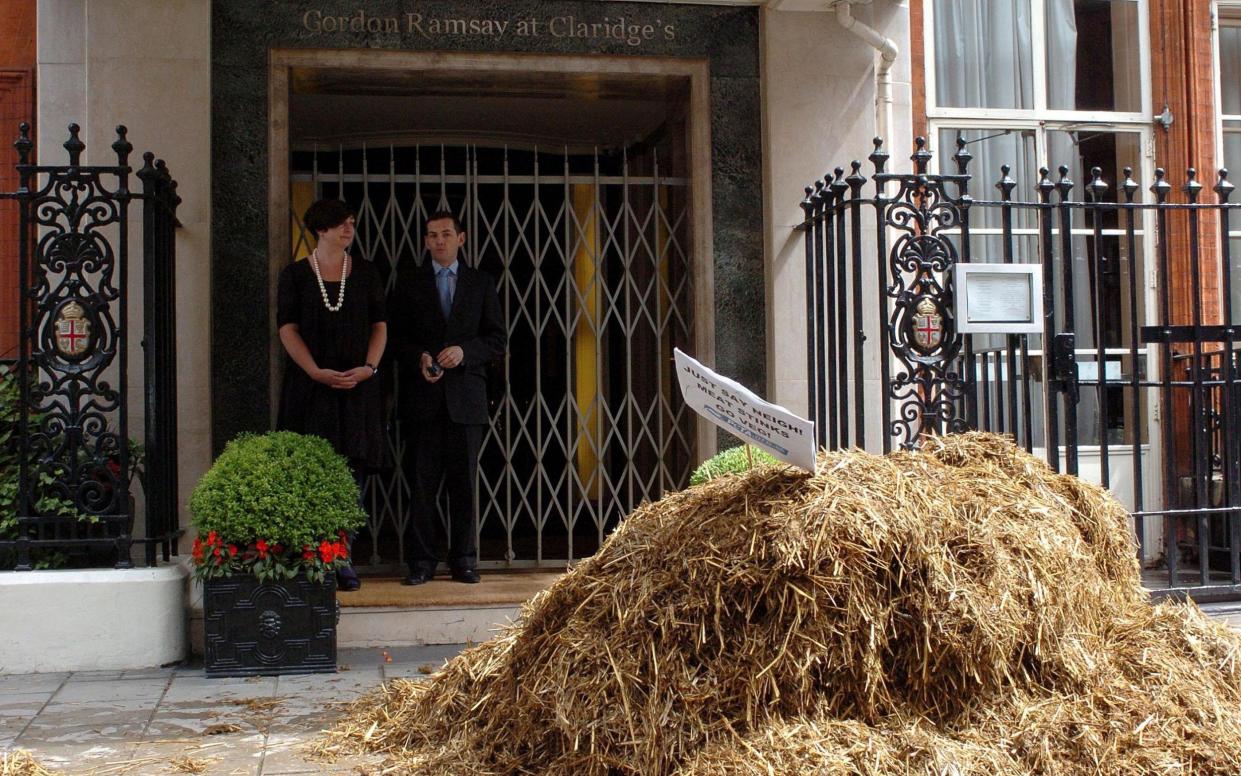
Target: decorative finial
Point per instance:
(1005, 184)
(1223, 188)
(1192, 187)
(878, 157)
(962, 157)
(1130, 186)
(1044, 186)
(74, 146)
(1065, 184)
(122, 146)
(23, 143)
(921, 156)
(1160, 188)
(1097, 186)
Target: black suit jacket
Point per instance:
(476, 324)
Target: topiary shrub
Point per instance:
(274, 504)
(731, 461)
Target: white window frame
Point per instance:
(1042, 120)
(1040, 111)
(1229, 10)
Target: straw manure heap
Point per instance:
(958, 610)
(19, 762)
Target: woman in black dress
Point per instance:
(331, 320)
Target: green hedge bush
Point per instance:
(281, 487)
(731, 461)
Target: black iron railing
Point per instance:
(1119, 384)
(75, 458)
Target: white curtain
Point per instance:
(983, 54)
(1230, 71)
(1230, 104)
(1061, 25)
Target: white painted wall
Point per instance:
(92, 620)
(819, 112)
(145, 64)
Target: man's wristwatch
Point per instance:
(374, 369)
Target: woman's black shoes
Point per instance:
(347, 579)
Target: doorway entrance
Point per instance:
(577, 194)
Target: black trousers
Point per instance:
(444, 452)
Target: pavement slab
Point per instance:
(29, 684)
(177, 720)
(129, 691)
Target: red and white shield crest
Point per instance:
(928, 325)
(72, 330)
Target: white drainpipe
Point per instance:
(883, 73)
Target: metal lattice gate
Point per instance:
(592, 259)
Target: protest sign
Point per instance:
(735, 408)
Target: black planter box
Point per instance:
(253, 628)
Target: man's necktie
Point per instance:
(444, 283)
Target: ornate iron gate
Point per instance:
(75, 457)
(592, 261)
(1119, 387)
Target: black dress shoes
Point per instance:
(469, 576)
(347, 579)
(418, 578)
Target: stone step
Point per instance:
(396, 626)
(385, 613)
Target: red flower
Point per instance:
(308, 552)
(261, 546)
(342, 549)
(216, 552)
(277, 549)
(213, 538)
(198, 549)
(232, 551)
(326, 552)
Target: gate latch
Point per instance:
(1064, 364)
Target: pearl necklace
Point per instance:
(344, 273)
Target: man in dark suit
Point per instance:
(449, 325)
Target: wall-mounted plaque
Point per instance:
(999, 298)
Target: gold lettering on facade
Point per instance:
(620, 29)
(317, 22)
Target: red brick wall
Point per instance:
(17, 62)
(917, 67)
(1182, 75)
(16, 105)
(17, 20)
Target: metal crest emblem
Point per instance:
(928, 325)
(72, 331)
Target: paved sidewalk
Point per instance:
(176, 720)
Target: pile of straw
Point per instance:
(19, 763)
(958, 610)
